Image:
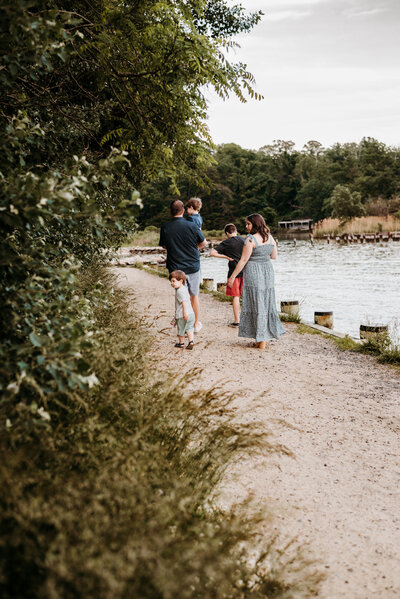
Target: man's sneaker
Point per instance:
(198, 328)
(233, 325)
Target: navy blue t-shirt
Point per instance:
(181, 238)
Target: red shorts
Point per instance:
(237, 288)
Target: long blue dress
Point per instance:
(259, 318)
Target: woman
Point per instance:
(259, 318)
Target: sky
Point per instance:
(329, 70)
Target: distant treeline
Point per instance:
(280, 182)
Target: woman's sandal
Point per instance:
(179, 345)
(259, 344)
(190, 345)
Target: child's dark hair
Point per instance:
(230, 228)
(179, 275)
(194, 203)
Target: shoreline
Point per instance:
(338, 412)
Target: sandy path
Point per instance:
(341, 493)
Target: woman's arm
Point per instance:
(274, 252)
(246, 253)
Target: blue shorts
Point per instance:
(185, 326)
(193, 283)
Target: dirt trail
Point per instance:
(341, 493)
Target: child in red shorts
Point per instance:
(231, 249)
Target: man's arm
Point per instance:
(202, 244)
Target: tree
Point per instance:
(344, 204)
(95, 99)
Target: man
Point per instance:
(183, 240)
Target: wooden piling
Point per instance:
(290, 307)
(221, 288)
(368, 331)
(324, 319)
(208, 284)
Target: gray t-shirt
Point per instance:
(181, 295)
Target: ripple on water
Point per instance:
(360, 283)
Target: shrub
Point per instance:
(115, 499)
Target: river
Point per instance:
(360, 283)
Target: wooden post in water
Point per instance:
(208, 284)
(324, 319)
(368, 331)
(221, 287)
(290, 307)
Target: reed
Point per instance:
(357, 226)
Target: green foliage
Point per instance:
(344, 204)
(289, 317)
(282, 183)
(117, 499)
(94, 98)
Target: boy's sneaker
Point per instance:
(198, 328)
(233, 325)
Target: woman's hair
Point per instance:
(194, 203)
(258, 225)
(179, 275)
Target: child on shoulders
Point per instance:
(184, 315)
(231, 249)
(193, 207)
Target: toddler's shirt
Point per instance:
(196, 219)
(181, 295)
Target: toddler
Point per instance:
(193, 207)
(184, 315)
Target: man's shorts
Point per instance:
(237, 288)
(185, 326)
(193, 283)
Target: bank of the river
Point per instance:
(357, 226)
(341, 491)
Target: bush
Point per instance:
(114, 500)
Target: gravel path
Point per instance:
(341, 492)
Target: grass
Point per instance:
(150, 236)
(381, 346)
(357, 226)
(289, 317)
(114, 499)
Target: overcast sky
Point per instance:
(328, 71)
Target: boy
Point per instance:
(184, 315)
(193, 207)
(231, 249)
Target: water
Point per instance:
(359, 283)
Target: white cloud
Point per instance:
(287, 14)
(266, 5)
(363, 13)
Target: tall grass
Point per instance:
(358, 226)
(150, 236)
(113, 498)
